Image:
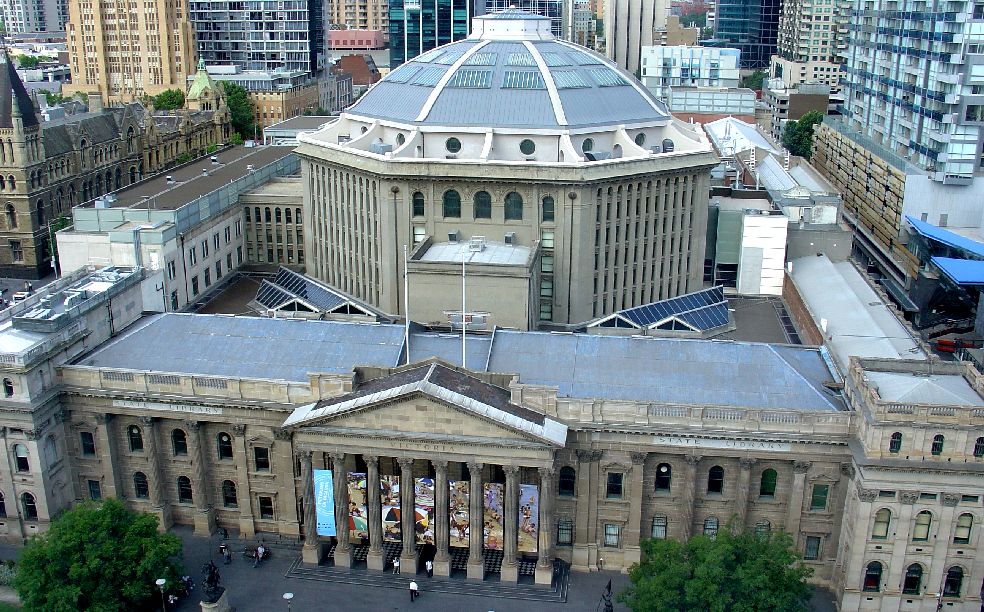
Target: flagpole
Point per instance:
(463, 311)
(406, 304)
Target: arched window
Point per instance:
(763, 528)
(278, 215)
(129, 139)
(20, 458)
(483, 205)
(256, 216)
(418, 204)
(3, 507)
(924, 521)
(659, 527)
(224, 442)
(141, 489)
(40, 211)
(872, 577)
(133, 175)
(587, 145)
(954, 582)
(13, 182)
(452, 204)
(267, 216)
(567, 481)
(3, 182)
(50, 451)
(229, 499)
(912, 583)
(136, 438)
(883, 519)
(547, 209)
(937, 448)
(767, 487)
(711, 526)
(895, 443)
(715, 480)
(30, 507)
(514, 206)
(179, 442)
(8, 387)
(184, 490)
(664, 475)
(297, 216)
(11, 217)
(965, 523)
(287, 216)
(979, 447)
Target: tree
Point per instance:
(754, 80)
(97, 556)
(169, 99)
(240, 108)
(747, 572)
(27, 61)
(797, 136)
(52, 98)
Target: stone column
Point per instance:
(442, 560)
(585, 554)
(158, 499)
(311, 553)
(510, 525)
(408, 557)
(205, 515)
(544, 566)
(476, 522)
(795, 509)
(343, 551)
(690, 485)
(106, 450)
(633, 528)
(745, 465)
(246, 527)
(282, 454)
(374, 560)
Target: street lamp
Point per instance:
(287, 598)
(160, 582)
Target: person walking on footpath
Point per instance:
(430, 568)
(413, 591)
(396, 565)
(260, 550)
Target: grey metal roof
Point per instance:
(659, 370)
(505, 86)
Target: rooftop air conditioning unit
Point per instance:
(476, 244)
(215, 160)
(453, 236)
(510, 238)
(250, 168)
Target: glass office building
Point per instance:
(417, 26)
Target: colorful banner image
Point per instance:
(423, 497)
(458, 512)
(529, 517)
(492, 525)
(324, 502)
(358, 519)
(389, 495)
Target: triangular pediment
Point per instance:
(433, 401)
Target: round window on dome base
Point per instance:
(587, 144)
(453, 145)
(640, 139)
(528, 147)
(400, 139)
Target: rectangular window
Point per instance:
(546, 263)
(565, 533)
(239, 229)
(95, 492)
(194, 285)
(547, 240)
(969, 499)
(215, 239)
(171, 270)
(228, 261)
(16, 251)
(611, 535)
(228, 234)
(614, 488)
(978, 10)
(818, 500)
(812, 550)
(419, 233)
(88, 443)
(204, 249)
(886, 494)
(208, 277)
(239, 254)
(261, 458)
(192, 257)
(218, 270)
(659, 528)
(266, 507)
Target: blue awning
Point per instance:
(946, 237)
(961, 271)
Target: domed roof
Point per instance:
(510, 73)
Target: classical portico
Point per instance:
(434, 422)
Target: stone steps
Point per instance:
(557, 593)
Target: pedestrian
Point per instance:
(259, 555)
(227, 555)
(396, 565)
(430, 568)
(413, 591)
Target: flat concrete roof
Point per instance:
(933, 389)
(493, 253)
(727, 203)
(190, 183)
(282, 187)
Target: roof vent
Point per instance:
(668, 145)
(510, 238)
(453, 236)
(597, 155)
(204, 171)
(250, 168)
(343, 138)
(476, 244)
(169, 179)
(656, 149)
(215, 160)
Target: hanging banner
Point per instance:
(458, 512)
(492, 525)
(358, 521)
(389, 495)
(324, 502)
(529, 516)
(423, 498)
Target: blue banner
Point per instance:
(324, 502)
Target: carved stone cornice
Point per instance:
(587, 455)
(239, 429)
(847, 469)
(866, 495)
(802, 467)
(747, 463)
(908, 497)
(638, 458)
(281, 434)
(951, 499)
(692, 459)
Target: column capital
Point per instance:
(908, 497)
(304, 455)
(239, 429)
(588, 455)
(406, 463)
(371, 459)
(951, 499)
(692, 459)
(193, 425)
(747, 463)
(61, 415)
(439, 464)
(338, 458)
(802, 467)
(105, 419)
(638, 458)
(847, 469)
(866, 495)
(282, 434)
(148, 420)
(546, 471)
(475, 466)
(511, 470)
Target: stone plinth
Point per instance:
(220, 604)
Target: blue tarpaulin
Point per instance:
(961, 271)
(946, 237)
